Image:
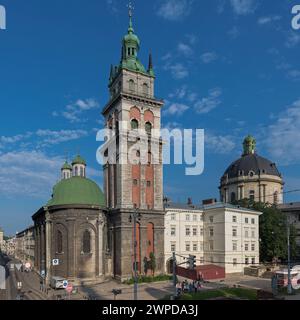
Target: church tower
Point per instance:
(134, 186)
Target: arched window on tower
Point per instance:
(81, 172)
(59, 242)
(131, 85)
(134, 124)
(86, 242)
(145, 89)
(76, 171)
(148, 127)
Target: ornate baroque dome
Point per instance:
(77, 191)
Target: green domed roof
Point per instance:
(79, 160)
(77, 190)
(66, 166)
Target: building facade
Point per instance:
(292, 210)
(25, 246)
(71, 228)
(252, 177)
(1, 239)
(133, 179)
(220, 234)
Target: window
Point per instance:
(194, 231)
(253, 247)
(173, 231)
(173, 216)
(253, 221)
(246, 233)
(194, 217)
(187, 217)
(59, 242)
(252, 195)
(187, 231)
(246, 246)
(86, 242)
(195, 247)
(276, 197)
(246, 261)
(253, 261)
(145, 89)
(234, 262)
(135, 182)
(81, 172)
(148, 184)
(201, 260)
(246, 220)
(253, 233)
(234, 232)
(211, 219)
(148, 127)
(76, 171)
(131, 85)
(234, 219)
(211, 245)
(202, 218)
(201, 246)
(234, 246)
(173, 247)
(233, 197)
(187, 247)
(134, 124)
(201, 232)
(211, 232)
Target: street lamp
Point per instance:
(135, 216)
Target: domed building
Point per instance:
(71, 229)
(252, 177)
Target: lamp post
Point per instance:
(135, 216)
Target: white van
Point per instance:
(57, 282)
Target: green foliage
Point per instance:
(147, 279)
(231, 293)
(272, 231)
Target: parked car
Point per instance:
(57, 283)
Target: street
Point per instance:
(29, 289)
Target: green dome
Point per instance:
(77, 190)
(66, 166)
(132, 38)
(79, 160)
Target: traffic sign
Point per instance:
(65, 284)
(18, 266)
(55, 262)
(19, 285)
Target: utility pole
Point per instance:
(289, 257)
(135, 216)
(174, 273)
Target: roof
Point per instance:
(289, 206)
(66, 166)
(78, 160)
(216, 205)
(77, 191)
(252, 162)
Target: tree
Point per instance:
(272, 231)
(146, 265)
(152, 263)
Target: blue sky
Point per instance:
(230, 67)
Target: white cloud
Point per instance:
(294, 74)
(234, 32)
(178, 70)
(207, 104)
(243, 7)
(293, 39)
(56, 137)
(208, 57)
(219, 144)
(31, 173)
(74, 111)
(268, 19)
(185, 49)
(175, 10)
(283, 137)
(176, 109)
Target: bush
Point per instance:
(149, 279)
